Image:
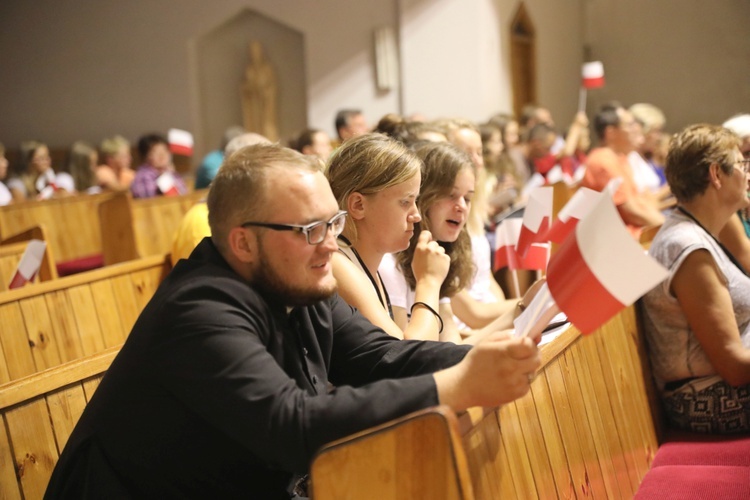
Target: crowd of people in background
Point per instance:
(423, 197)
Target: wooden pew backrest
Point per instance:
(585, 429)
(134, 228)
(12, 249)
(69, 318)
(417, 456)
(72, 223)
(39, 413)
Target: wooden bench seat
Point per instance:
(135, 228)
(50, 323)
(39, 413)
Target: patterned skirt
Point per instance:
(717, 409)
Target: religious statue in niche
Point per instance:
(258, 91)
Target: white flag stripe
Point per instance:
(507, 232)
(32, 258)
(594, 69)
(580, 204)
(181, 137)
(614, 257)
(538, 207)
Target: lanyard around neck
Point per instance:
(726, 251)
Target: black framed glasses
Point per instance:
(315, 232)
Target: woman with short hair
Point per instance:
(697, 322)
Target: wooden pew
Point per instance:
(72, 223)
(585, 429)
(39, 413)
(57, 321)
(12, 249)
(137, 228)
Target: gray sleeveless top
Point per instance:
(674, 350)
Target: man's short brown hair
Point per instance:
(238, 192)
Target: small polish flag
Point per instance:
(536, 218)
(593, 75)
(506, 239)
(180, 142)
(166, 184)
(573, 211)
(600, 269)
(29, 265)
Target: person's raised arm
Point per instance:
(430, 266)
(497, 370)
(706, 303)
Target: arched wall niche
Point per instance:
(219, 58)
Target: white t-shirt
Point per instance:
(644, 177)
(674, 349)
(5, 196)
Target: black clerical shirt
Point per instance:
(220, 393)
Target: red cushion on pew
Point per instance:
(80, 265)
(699, 449)
(686, 482)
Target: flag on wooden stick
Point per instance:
(29, 265)
(597, 271)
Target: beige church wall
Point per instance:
(85, 69)
(689, 57)
(451, 59)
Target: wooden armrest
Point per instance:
(417, 456)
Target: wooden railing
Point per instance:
(137, 228)
(39, 413)
(72, 223)
(50, 323)
(585, 429)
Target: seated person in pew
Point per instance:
(6, 196)
(618, 137)
(210, 164)
(40, 181)
(223, 387)
(444, 202)
(376, 180)
(115, 173)
(157, 175)
(194, 224)
(697, 322)
(82, 162)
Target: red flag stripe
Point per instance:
(561, 229)
(528, 236)
(588, 304)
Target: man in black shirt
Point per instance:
(222, 388)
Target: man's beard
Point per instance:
(272, 286)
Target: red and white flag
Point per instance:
(506, 239)
(573, 211)
(600, 269)
(536, 219)
(180, 142)
(29, 265)
(593, 75)
(167, 184)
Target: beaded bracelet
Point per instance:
(429, 308)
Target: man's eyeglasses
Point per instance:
(314, 232)
(744, 166)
